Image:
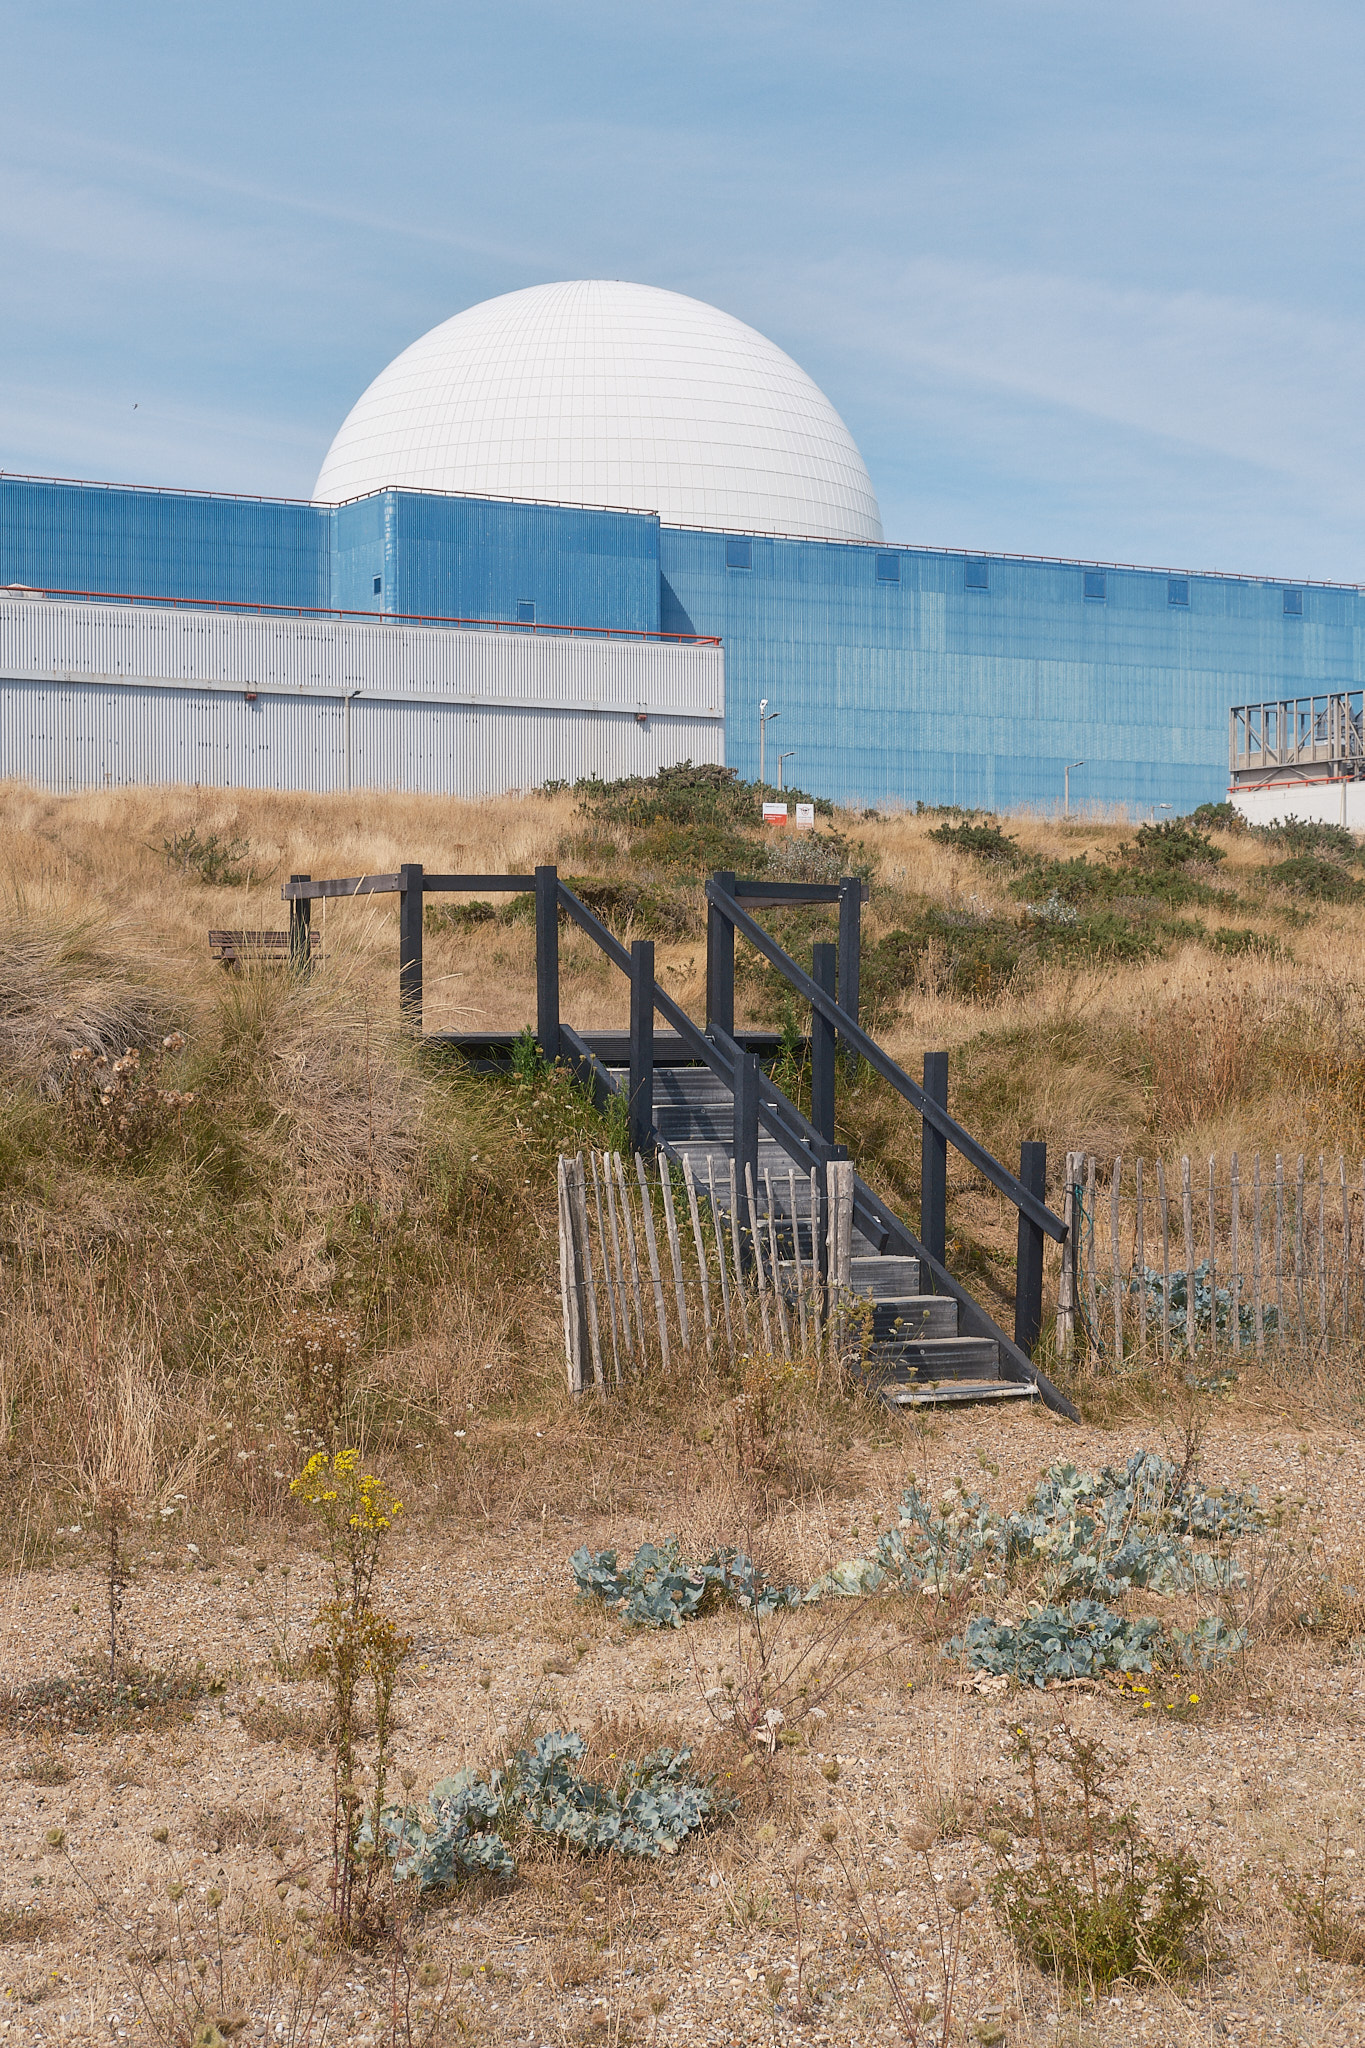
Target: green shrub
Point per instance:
(1222, 817)
(986, 842)
(1317, 876)
(1237, 940)
(655, 913)
(689, 793)
(1171, 845)
(215, 862)
(1082, 1891)
(457, 917)
(1303, 835)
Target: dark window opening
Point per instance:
(1293, 603)
(739, 554)
(978, 576)
(1177, 590)
(888, 568)
(1095, 585)
(526, 612)
(378, 585)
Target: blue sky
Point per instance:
(1083, 281)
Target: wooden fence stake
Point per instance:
(606, 1268)
(782, 1323)
(719, 1236)
(1235, 1277)
(1066, 1284)
(1165, 1261)
(1091, 1302)
(628, 1217)
(581, 1208)
(675, 1251)
(703, 1274)
(651, 1245)
(617, 1263)
(1322, 1252)
(1140, 1261)
(796, 1256)
(1279, 1249)
(1256, 1255)
(1213, 1259)
(735, 1228)
(1115, 1277)
(570, 1292)
(1345, 1251)
(756, 1239)
(1187, 1218)
(1298, 1252)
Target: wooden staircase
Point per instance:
(913, 1353)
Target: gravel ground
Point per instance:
(704, 1948)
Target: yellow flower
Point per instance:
(1194, 1699)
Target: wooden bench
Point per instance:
(235, 950)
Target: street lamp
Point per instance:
(1066, 786)
(780, 759)
(765, 719)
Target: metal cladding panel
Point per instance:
(930, 689)
(93, 693)
(97, 537)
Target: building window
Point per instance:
(1177, 590)
(978, 576)
(1094, 586)
(888, 568)
(739, 554)
(526, 612)
(1293, 603)
(378, 585)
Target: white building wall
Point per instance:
(95, 694)
(1335, 802)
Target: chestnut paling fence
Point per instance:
(660, 1266)
(1257, 1254)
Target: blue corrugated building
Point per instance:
(900, 673)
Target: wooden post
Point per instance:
(1279, 1250)
(782, 1322)
(410, 945)
(618, 1264)
(756, 1246)
(839, 1250)
(580, 1198)
(608, 1288)
(850, 954)
(1028, 1287)
(1299, 1256)
(1091, 1254)
(933, 1195)
(824, 973)
(746, 1121)
(570, 1284)
(300, 928)
(547, 961)
(641, 1104)
(720, 961)
(703, 1275)
(627, 1218)
(1213, 1257)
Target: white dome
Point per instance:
(609, 394)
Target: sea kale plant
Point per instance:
(651, 1806)
(659, 1589)
(1084, 1538)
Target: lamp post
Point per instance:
(1066, 786)
(765, 719)
(780, 759)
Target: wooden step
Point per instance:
(891, 1277)
(913, 1318)
(924, 1396)
(935, 1358)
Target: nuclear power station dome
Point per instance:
(600, 393)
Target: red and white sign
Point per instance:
(775, 814)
